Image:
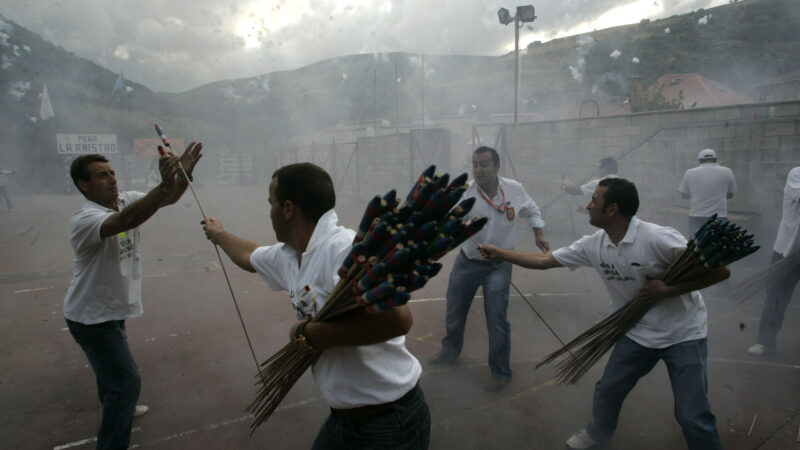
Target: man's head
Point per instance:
(614, 199)
(485, 166)
(304, 188)
(706, 156)
(607, 166)
(94, 178)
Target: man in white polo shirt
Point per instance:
(630, 255)
(709, 186)
(106, 287)
(505, 203)
(366, 375)
(787, 243)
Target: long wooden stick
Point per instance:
(496, 266)
(219, 257)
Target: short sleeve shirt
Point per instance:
(708, 186)
(348, 377)
(509, 206)
(644, 253)
(107, 278)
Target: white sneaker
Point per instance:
(140, 411)
(581, 439)
(757, 350)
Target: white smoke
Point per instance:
(615, 54)
(585, 44)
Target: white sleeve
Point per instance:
(590, 186)
(575, 255)
(269, 264)
(528, 209)
(731, 183)
(669, 244)
(684, 187)
(85, 229)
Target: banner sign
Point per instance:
(80, 144)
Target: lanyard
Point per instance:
(499, 208)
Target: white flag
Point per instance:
(46, 109)
(120, 84)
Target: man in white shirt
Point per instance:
(709, 186)
(106, 287)
(366, 375)
(505, 203)
(787, 243)
(630, 255)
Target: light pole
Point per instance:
(524, 14)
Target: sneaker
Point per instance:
(758, 350)
(140, 411)
(495, 384)
(581, 439)
(442, 359)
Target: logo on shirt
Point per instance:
(510, 214)
(611, 273)
(305, 304)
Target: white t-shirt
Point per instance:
(348, 377)
(591, 185)
(500, 229)
(708, 185)
(787, 242)
(107, 279)
(646, 251)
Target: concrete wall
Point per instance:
(759, 142)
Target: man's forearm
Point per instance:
(135, 214)
(708, 278)
(529, 260)
(360, 328)
(237, 249)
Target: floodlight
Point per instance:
(526, 13)
(504, 16)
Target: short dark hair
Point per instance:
(79, 169)
(306, 185)
(609, 164)
(485, 149)
(623, 193)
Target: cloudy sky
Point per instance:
(176, 45)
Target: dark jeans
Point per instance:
(778, 297)
(465, 278)
(695, 222)
(402, 426)
(686, 365)
(118, 379)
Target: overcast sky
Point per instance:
(176, 45)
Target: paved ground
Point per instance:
(198, 372)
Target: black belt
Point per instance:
(367, 412)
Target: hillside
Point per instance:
(737, 44)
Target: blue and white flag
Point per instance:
(120, 84)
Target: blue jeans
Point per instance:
(686, 365)
(778, 297)
(402, 427)
(466, 277)
(118, 379)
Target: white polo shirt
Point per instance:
(646, 251)
(500, 229)
(787, 242)
(591, 185)
(348, 377)
(107, 278)
(708, 185)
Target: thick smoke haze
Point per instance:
(176, 46)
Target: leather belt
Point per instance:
(363, 413)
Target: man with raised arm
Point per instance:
(106, 287)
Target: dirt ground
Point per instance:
(198, 373)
